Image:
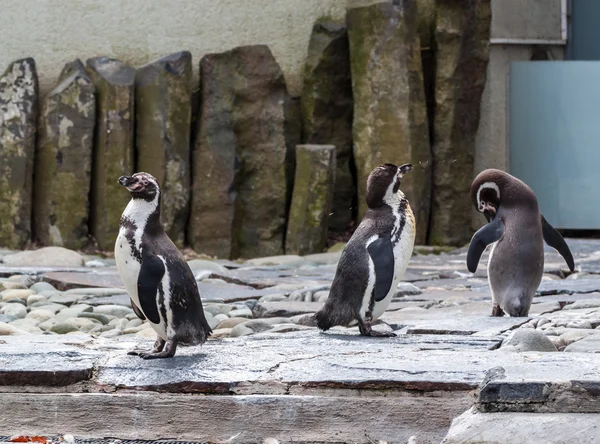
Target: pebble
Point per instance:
(9, 330)
(528, 340)
(112, 333)
(95, 264)
(48, 306)
(213, 309)
(7, 318)
(273, 298)
(243, 312)
(407, 289)
(321, 296)
(202, 267)
(38, 287)
(44, 257)
(579, 324)
(16, 310)
(221, 317)
(249, 328)
(121, 324)
(40, 314)
(231, 322)
(221, 333)
(572, 336)
(23, 324)
(212, 322)
(103, 319)
(146, 333)
(114, 310)
(10, 285)
(133, 323)
(66, 299)
(286, 328)
(23, 279)
(9, 295)
(36, 298)
(63, 327)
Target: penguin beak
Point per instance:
(130, 182)
(126, 181)
(489, 211)
(403, 169)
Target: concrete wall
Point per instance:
(512, 20)
(138, 31)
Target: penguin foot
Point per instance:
(366, 330)
(158, 347)
(497, 311)
(168, 352)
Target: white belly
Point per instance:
(129, 270)
(402, 254)
(127, 266)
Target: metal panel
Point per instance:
(554, 134)
(585, 32)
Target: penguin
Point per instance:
(375, 258)
(157, 278)
(517, 230)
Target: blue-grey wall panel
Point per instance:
(554, 133)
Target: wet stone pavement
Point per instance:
(66, 324)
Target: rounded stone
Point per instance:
(273, 298)
(112, 333)
(242, 312)
(568, 337)
(62, 328)
(45, 257)
(133, 323)
(36, 298)
(10, 285)
(9, 330)
(16, 310)
(231, 322)
(114, 310)
(40, 314)
(146, 333)
(221, 317)
(95, 264)
(221, 333)
(8, 295)
(38, 287)
(528, 340)
(249, 328)
(580, 324)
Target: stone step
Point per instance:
(305, 386)
(519, 428)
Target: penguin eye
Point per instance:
(482, 203)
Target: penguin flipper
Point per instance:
(486, 235)
(151, 274)
(556, 241)
(382, 255)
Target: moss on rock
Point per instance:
(64, 161)
(113, 146)
(18, 117)
(311, 199)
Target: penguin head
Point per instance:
(492, 188)
(141, 186)
(383, 184)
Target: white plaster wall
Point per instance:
(55, 32)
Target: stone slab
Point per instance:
(518, 428)
(43, 361)
(236, 419)
(107, 277)
(34, 271)
(569, 286)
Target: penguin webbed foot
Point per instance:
(497, 311)
(168, 352)
(366, 330)
(159, 344)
